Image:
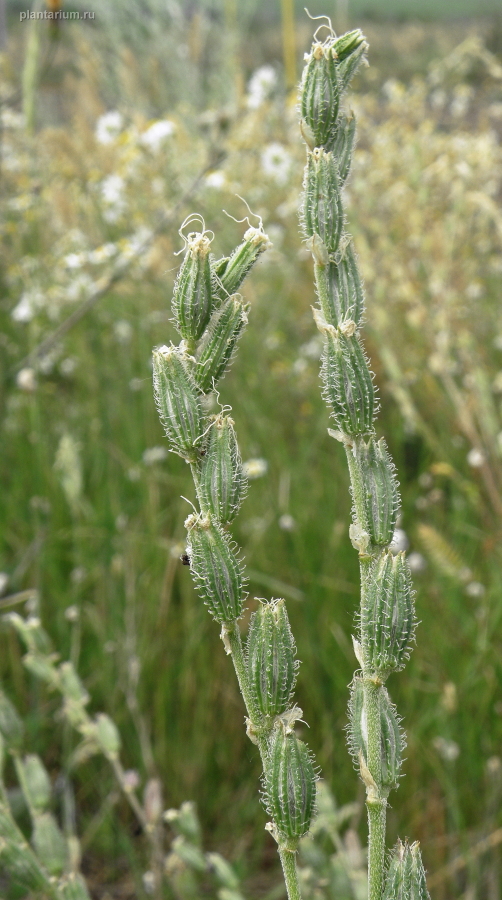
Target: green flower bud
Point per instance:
(177, 400)
(381, 490)
(343, 145)
(270, 658)
(405, 878)
(350, 49)
(107, 735)
(231, 271)
(388, 616)
(43, 667)
(35, 782)
(320, 97)
(49, 844)
(217, 346)
(216, 569)
(392, 740)
(290, 786)
(348, 384)
(222, 482)
(193, 289)
(11, 725)
(322, 210)
(340, 289)
(71, 684)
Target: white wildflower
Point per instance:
(26, 380)
(276, 162)
(399, 541)
(156, 134)
(108, 127)
(123, 331)
(286, 522)
(476, 458)
(75, 260)
(216, 179)
(154, 455)
(112, 190)
(448, 750)
(255, 468)
(417, 562)
(475, 589)
(260, 86)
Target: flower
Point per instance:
(154, 455)
(26, 380)
(255, 468)
(216, 179)
(108, 127)
(156, 134)
(260, 86)
(276, 162)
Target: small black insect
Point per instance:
(185, 559)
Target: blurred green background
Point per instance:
(105, 126)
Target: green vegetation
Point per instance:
(91, 512)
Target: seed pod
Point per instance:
(405, 877)
(340, 289)
(381, 490)
(177, 401)
(71, 684)
(319, 97)
(35, 782)
(222, 479)
(392, 741)
(107, 735)
(270, 658)
(350, 49)
(343, 145)
(49, 844)
(193, 289)
(322, 210)
(348, 385)
(216, 569)
(231, 272)
(290, 786)
(387, 616)
(217, 346)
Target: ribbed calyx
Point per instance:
(222, 482)
(405, 877)
(387, 625)
(380, 489)
(216, 568)
(177, 399)
(270, 658)
(231, 271)
(216, 348)
(391, 736)
(289, 786)
(327, 73)
(193, 289)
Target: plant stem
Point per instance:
(288, 861)
(375, 803)
(377, 810)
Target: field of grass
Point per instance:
(90, 507)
